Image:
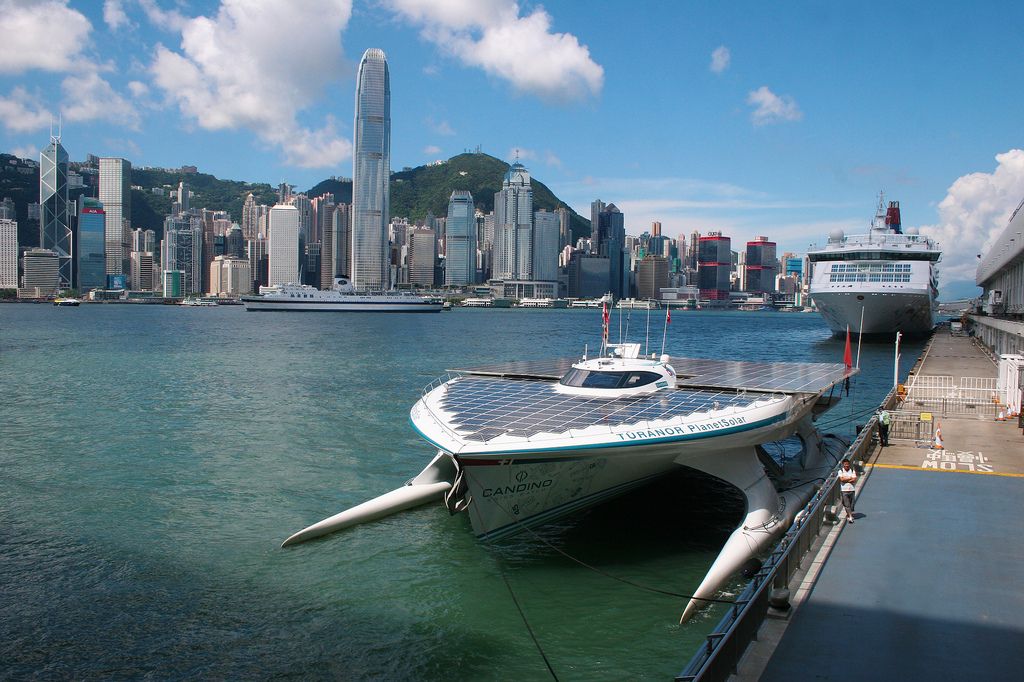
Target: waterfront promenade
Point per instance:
(926, 583)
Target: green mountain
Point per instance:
(414, 192)
(426, 189)
(149, 209)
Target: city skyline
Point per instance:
(720, 119)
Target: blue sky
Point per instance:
(807, 110)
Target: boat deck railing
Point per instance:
(717, 659)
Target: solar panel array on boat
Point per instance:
(784, 377)
(486, 407)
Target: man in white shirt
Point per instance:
(848, 484)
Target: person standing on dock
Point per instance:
(883, 427)
(848, 481)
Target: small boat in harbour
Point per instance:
(67, 302)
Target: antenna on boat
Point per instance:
(647, 336)
(605, 319)
(664, 335)
(620, 324)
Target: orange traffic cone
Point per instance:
(1001, 417)
(938, 436)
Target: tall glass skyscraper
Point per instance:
(116, 196)
(54, 217)
(90, 251)
(513, 226)
(371, 171)
(182, 251)
(460, 240)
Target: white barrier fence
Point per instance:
(971, 396)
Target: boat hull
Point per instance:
(885, 312)
(511, 492)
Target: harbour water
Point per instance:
(153, 458)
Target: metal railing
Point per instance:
(717, 659)
(907, 425)
(939, 394)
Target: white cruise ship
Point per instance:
(888, 277)
(342, 297)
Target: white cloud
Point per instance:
(23, 113)
(168, 20)
(431, 150)
(241, 69)
(26, 152)
(87, 97)
(772, 108)
(440, 127)
(551, 159)
(522, 154)
(138, 88)
(720, 59)
(974, 212)
(45, 35)
(493, 36)
(114, 15)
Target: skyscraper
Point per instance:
(116, 197)
(596, 206)
(422, 254)
(341, 222)
(182, 251)
(564, 227)
(55, 218)
(545, 246)
(371, 170)
(91, 249)
(651, 276)
(460, 244)
(714, 261)
(283, 247)
(513, 226)
(611, 232)
(184, 197)
(250, 217)
(761, 266)
(8, 253)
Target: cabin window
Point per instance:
(583, 378)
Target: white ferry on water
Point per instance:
(886, 276)
(342, 297)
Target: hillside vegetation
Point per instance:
(414, 192)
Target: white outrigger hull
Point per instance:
(885, 312)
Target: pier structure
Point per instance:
(925, 584)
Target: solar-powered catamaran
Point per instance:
(520, 444)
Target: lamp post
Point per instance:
(896, 361)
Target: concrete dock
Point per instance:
(928, 583)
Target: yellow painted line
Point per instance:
(907, 467)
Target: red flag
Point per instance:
(668, 315)
(847, 354)
(604, 320)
